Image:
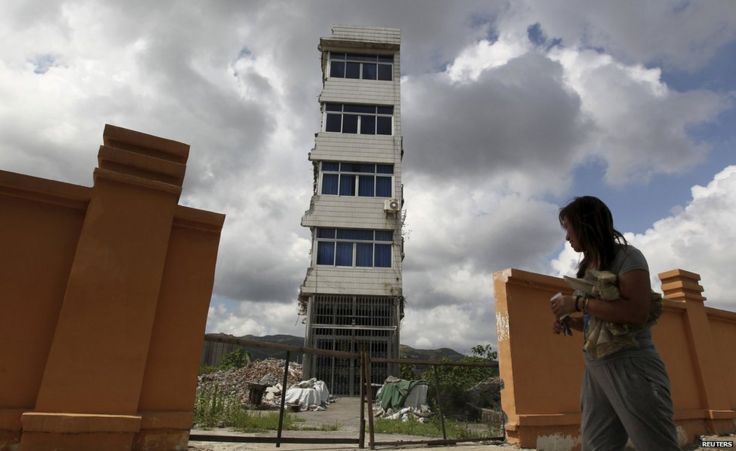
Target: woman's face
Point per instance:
(571, 236)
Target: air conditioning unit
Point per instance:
(391, 205)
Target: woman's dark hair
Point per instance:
(592, 222)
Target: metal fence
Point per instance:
(351, 323)
(363, 368)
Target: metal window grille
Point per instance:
(352, 324)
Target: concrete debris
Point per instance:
(273, 392)
(486, 394)
(421, 414)
(270, 379)
(309, 395)
(238, 381)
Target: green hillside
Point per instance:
(405, 351)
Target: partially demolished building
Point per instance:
(352, 294)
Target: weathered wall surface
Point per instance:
(542, 372)
(104, 294)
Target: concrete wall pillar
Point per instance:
(683, 286)
(92, 381)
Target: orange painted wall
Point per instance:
(723, 328)
(542, 372)
(104, 294)
(40, 222)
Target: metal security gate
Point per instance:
(365, 366)
(352, 324)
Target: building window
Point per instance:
(354, 247)
(363, 119)
(357, 179)
(360, 66)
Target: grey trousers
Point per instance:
(627, 396)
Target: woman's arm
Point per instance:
(633, 305)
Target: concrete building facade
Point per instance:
(352, 294)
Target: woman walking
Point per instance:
(626, 390)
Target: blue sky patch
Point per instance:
(42, 63)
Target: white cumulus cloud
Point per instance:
(697, 238)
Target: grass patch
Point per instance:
(213, 409)
(432, 428)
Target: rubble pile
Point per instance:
(486, 394)
(309, 395)
(236, 382)
(421, 414)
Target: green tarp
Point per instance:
(394, 394)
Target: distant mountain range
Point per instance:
(407, 352)
(265, 353)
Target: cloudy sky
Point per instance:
(510, 109)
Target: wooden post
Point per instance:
(283, 399)
(369, 397)
(361, 434)
(439, 408)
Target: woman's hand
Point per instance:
(575, 323)
(557, 327)
(563, 305)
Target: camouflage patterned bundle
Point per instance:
(605, 337)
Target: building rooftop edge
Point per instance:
(374, 35)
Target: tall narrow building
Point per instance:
(352, 293)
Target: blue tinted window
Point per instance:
(364, 254)
(368, 125)
(373, 179)
(383, 125)
(349, 167)
(365, 185)
(384, 235)
(364, 119)
(347, 185)
(350, 123)
(344, 254)
(383, 186)
(354, 247)
(354, 234)
(333, 122)
(353, 108)
(329, 183)
(337, 69)
(325, 233)
(382, 257)
(359, 65)
(352, 70)
(384, 72)
(326, 253)
(369, 71)
(362, 57)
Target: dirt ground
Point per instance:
(344, 414)
(219, 446)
